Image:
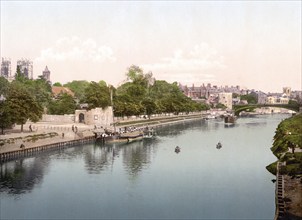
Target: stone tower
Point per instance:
(46, 74)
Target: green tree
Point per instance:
(251, 99)
(220, 105)
(4, 86)
(65, 104)
(149, 106)
(57, 84)
(5, 116)
(97, 95)
(22, 105)
(78, 87)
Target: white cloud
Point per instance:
(76, 49)
(196, 65)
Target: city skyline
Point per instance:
(251, 44)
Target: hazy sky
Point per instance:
(254, 44)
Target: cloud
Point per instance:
(196, 65)
(76, 49)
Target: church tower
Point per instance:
(46, 74)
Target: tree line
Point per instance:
(27, 99)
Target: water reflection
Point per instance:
(137, 156)
(99, 158)
(22, 175)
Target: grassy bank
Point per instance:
(287, 146)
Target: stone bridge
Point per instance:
(250, 107)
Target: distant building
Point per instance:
(226, 99)
(287, 91)
(6, 68)
(59, 90)
(26, 68)
(46, 74)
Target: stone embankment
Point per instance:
(66, 134)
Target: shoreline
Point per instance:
(85, 131)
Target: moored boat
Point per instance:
(229, 119)
(219, 145)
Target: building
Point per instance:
(59, 90)
(26, 68)
(46, 74)
(226, 99)
(287, 91)
(96, 116)
(6, 68)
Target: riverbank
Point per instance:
(64, 132)
(287, 148)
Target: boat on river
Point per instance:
(120, 138)
(230, 119)
(219, 145)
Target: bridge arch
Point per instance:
(239, 108)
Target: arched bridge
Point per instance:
(250, 107)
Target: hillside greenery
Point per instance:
(287, 145)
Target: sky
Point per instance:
(253, 44)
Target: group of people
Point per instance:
(74, 128)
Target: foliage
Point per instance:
(57, 84)
(4, 85)
(65, 104)
(288, 135)
(22, 105)
(142, 94)
(6, 118)
(78, 87)
(97, 95)
(251, 98)
(287, 138)
(220, 105)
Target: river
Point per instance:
(147, 179)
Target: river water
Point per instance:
(147, 179)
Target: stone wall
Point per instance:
(58, 118)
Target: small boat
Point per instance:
(219, 145)
(230, 119)
(177, 149)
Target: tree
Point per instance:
(220, 105)
(64, 105)
(4, 86)
(251, 99)
(5, 115)
(57, 84)
(78, 87)
(22, 105)
(149, 106)
(97, 95)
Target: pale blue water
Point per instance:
(148, 179)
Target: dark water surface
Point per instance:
(148, 179)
